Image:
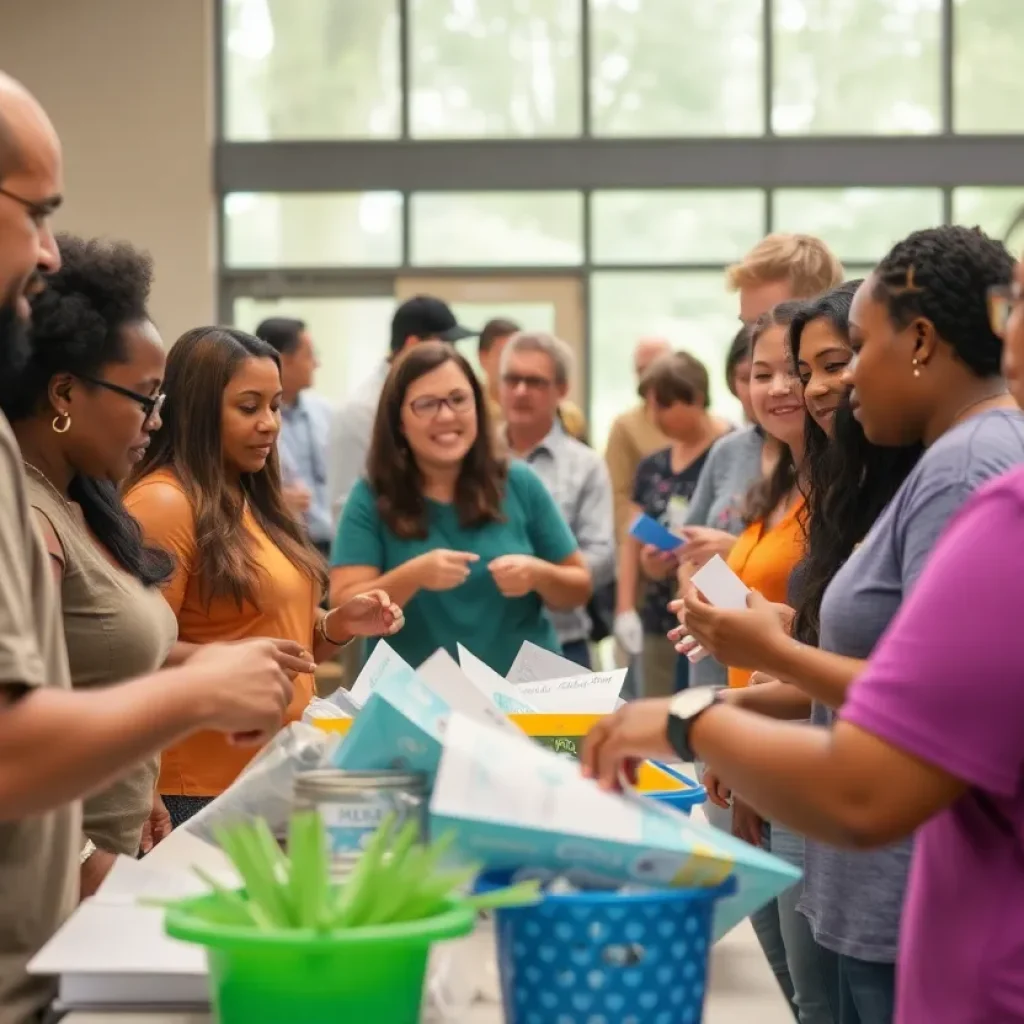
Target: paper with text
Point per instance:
(504, 695)
(382, 663)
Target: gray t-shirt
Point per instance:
(733, 464)
(853, 900)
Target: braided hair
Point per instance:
(943, 275)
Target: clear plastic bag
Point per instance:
(266, 788)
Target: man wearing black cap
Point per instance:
(421, 318)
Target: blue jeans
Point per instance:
(577, 651)
(867, 991)
(812, 968)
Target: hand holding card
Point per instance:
(648, 530)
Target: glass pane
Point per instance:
(318, 229)
(693, 310)
(494, 69)
(489, 229)
(857, 67)
(661, 67)
(994, 210)
(677, 226)
(351, 335)
(989, 89)
(315, 69)
(859, 224)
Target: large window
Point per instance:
(622, 152)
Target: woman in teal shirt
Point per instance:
(473, 548)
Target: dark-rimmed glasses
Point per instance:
(38, 211)
(428, 406)
(151, 404)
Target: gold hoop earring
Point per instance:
(917, 368)
(64, 421)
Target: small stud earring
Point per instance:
(917, 368)
(61, 423)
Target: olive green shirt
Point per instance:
(38, 854)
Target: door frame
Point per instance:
(565, 292)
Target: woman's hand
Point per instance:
(443, 569)
(657, 564)
(636, 731)
(742, 639)
(369, 614)
(703, 543)
(718, 793)
(158, 825)
(515, 575)
(747, 824)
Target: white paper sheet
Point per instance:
(505, 696)
(441, 674)
(382, 660)
(720, 585)
(535, 664)
(595, 693)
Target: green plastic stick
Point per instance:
(357, 894)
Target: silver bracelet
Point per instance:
(87, 851)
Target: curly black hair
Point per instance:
(847, 480)
(78, 322)
(943, 274)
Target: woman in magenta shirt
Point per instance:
(930, 740)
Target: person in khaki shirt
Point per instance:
(57, 745)
(633, 436)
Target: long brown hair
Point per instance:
(767, 493)
(391, 468)
(189, 444)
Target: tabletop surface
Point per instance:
(741, 986)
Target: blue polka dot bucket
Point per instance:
(605, 957)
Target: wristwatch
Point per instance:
(686, 707)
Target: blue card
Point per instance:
(649, 531)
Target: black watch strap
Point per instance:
(680, 726)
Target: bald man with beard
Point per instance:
(57, 745)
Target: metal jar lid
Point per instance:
(325, 783)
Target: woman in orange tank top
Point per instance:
(208, 491)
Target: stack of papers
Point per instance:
(514, 805)
(112, 953)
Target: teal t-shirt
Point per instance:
(475, 614)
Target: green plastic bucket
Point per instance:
(371, 975)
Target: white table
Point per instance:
(741, 986)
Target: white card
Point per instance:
(382, 660)
(442, 675)
(534, 664)
(505, 696)
(593, 693)
(720, 585)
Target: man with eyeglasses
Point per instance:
(57, 745)
(534, 378)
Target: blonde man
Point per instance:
(782, 267)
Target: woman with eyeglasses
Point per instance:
(473, 547)
(916, 675)
(208, 491)
(83, 410)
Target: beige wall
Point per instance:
(129, 85)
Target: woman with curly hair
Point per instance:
(474, 547)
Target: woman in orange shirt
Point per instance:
(208, 491)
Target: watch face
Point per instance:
(687, 703)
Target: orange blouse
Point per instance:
(763, 559)
(285, 607)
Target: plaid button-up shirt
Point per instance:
(577, 478)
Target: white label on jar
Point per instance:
(350, 825)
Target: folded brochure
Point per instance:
(512, 804)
